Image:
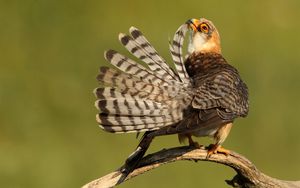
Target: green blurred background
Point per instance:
(50, 52)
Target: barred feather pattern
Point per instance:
(176, 52)
(135, 98)
(217, 85)
(139, 46)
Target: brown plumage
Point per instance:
(219, 89)
(202, 97)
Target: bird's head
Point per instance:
(204, 37)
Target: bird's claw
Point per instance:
(215, 148)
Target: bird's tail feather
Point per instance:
(176, 53)
(135, 98)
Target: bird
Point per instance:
(201, 96)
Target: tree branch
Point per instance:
(247, 174)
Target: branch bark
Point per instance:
(247, 176)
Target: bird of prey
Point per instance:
(200, 97)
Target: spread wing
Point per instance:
(135, 98)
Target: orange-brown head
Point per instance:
(204, 37)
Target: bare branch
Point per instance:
(247, 174)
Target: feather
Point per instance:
(135, 98)
(142, 49)
(131, 67)
(176, 52)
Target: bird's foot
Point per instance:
(215, 148)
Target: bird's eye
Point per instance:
(204, 27)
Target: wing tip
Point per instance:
(96, 104)
(99, 92)
(135, 32)
(107, 128)
(102, 126)
(132, 28)
(102, 70)
(109, 54)
(95, 91)
(124, 39)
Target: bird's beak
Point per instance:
(193, 24)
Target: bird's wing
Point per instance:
(135, 98)
(140, 47)
(177, 56)
(224, 90)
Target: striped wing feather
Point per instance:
(176, 52)
(134, 98)
(131, 67)
(134, 86)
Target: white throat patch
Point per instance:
(198, 43)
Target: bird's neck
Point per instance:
(201, 63)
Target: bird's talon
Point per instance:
(213, 149)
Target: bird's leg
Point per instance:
(220, 137)
(192, 143)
